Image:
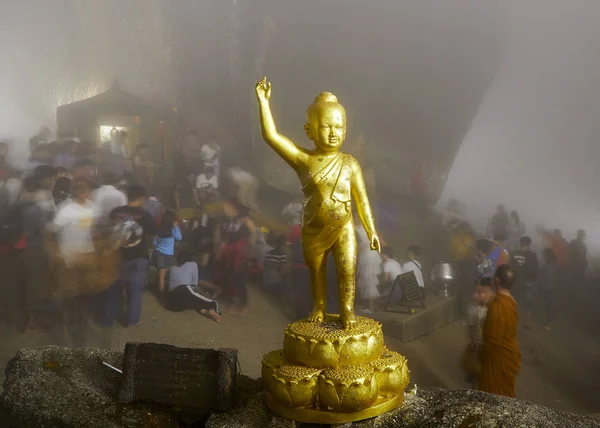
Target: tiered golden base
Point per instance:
(327, 374)
(315, 416)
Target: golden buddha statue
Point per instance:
(332, 368)
(330, 181)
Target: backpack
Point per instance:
(12, 233)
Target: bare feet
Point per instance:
(348, 319)
(316, 315)
(212, 314)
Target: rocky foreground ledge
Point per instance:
(58, 387)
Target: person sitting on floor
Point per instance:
(390, 269)
(182, 290)
(413, 264)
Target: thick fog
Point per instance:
(510, 84)
(533, 144)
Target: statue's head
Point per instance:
(326, 123)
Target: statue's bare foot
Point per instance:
(348, 319)
(316, 315)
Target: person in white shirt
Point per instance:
(210, 156)
(73, 225)
(247, 187)
(117, 143)
(293, 212)
(413, 265)
(107, 198)
(368, 269)
(13, 186)
(207, 185)
(390, 267)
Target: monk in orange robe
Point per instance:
(500, 356)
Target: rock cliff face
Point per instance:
(55, 387)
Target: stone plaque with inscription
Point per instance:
(203, 378)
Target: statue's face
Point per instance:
(328, 129)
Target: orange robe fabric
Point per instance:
(500, 356)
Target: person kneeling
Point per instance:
(182, 293)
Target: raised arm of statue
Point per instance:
(282, 145)
(359, 194)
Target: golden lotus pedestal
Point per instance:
(327, 374)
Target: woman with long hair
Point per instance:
(237, 235)
(164, 246)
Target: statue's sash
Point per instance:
(319, 240)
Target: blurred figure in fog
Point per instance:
(13, 185)
(106, 199)
(484, 267)
(500, 356)
(40, 156)
(560, 247)
(201, 240)
(413, 254)
(211, 157)
(207, 185)
(135, 225)
(477, 312)
(454, 213)
(462, 247)
(499, 223)
(390, 269)
(26, 285)
(579, 262)
(117, 143)
(61, 191)
(73, 227)
(276, 269)
(66, 156)
(548, 286)
(300, 276)
(42, 137)
(153, 206)
(292, 212)
(516, 230)
(525, 263)
(238, 236)
(368, 269)
(246, 186)
(190, 154)
(38, 189)
(499, 255)
(185, 192)
(163, 256)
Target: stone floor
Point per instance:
(559, 369)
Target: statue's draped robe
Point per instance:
(500, 356)
(327, 204)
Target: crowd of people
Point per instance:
(77, 243)
(79, 236)
(509, 281)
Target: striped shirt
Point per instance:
(275, 260)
